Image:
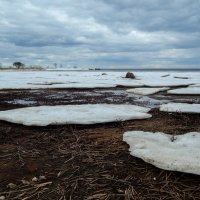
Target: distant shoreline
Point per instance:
(149, 69)
(106, 70)
(127, 70)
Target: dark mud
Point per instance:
(87, 162)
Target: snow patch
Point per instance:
(147, 91)
(74, 114)
(175, 153)
(180, 107)
(189, 91)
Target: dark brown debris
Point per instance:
(90, 162)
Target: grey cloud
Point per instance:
(100, 32)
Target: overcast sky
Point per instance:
(101, 33)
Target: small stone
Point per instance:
(2, 197)
(25, 182)
(129, 75)
(120, 191)
(154, 178)
(35, 179)
(42, 177)
(59, 174)
(11, 185)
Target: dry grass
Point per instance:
(87, 162)
(90, 162)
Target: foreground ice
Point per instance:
(74, 114)
(188, 91)
(180, 107)
(147, 91)
(175, 153)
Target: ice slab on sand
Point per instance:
(187, 90)
(178, 153)
(74, 114)
(180, 107)
(146, 91)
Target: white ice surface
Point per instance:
(74, 114)
(188, 91)
(180, 107)
(88, 79)
(178, 153)
(195, 85)
(156, 79)
(146, 91)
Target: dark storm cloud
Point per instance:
(106, 33)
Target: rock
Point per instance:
(25, 182)
(129, 75)
(103, 74)
(2, 197)
(11, 185)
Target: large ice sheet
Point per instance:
(88, 79)
(146, 91)
(180, 107)
(63, 79)
(175, 153)
(74, 114)
(187, 90)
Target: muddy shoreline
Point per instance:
(89, 162)
(24, 98)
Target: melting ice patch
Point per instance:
(188, 91)
(22, 102)
(139, 100)
(74, 114)
(175, 153)
(147, 91)
(180, 107)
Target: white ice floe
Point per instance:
(180, 107)
(175, 153)
(146, 91)
(195, 85)
(188, 91)
(74, 114)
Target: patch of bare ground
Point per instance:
(24, 98)
(90, 162)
